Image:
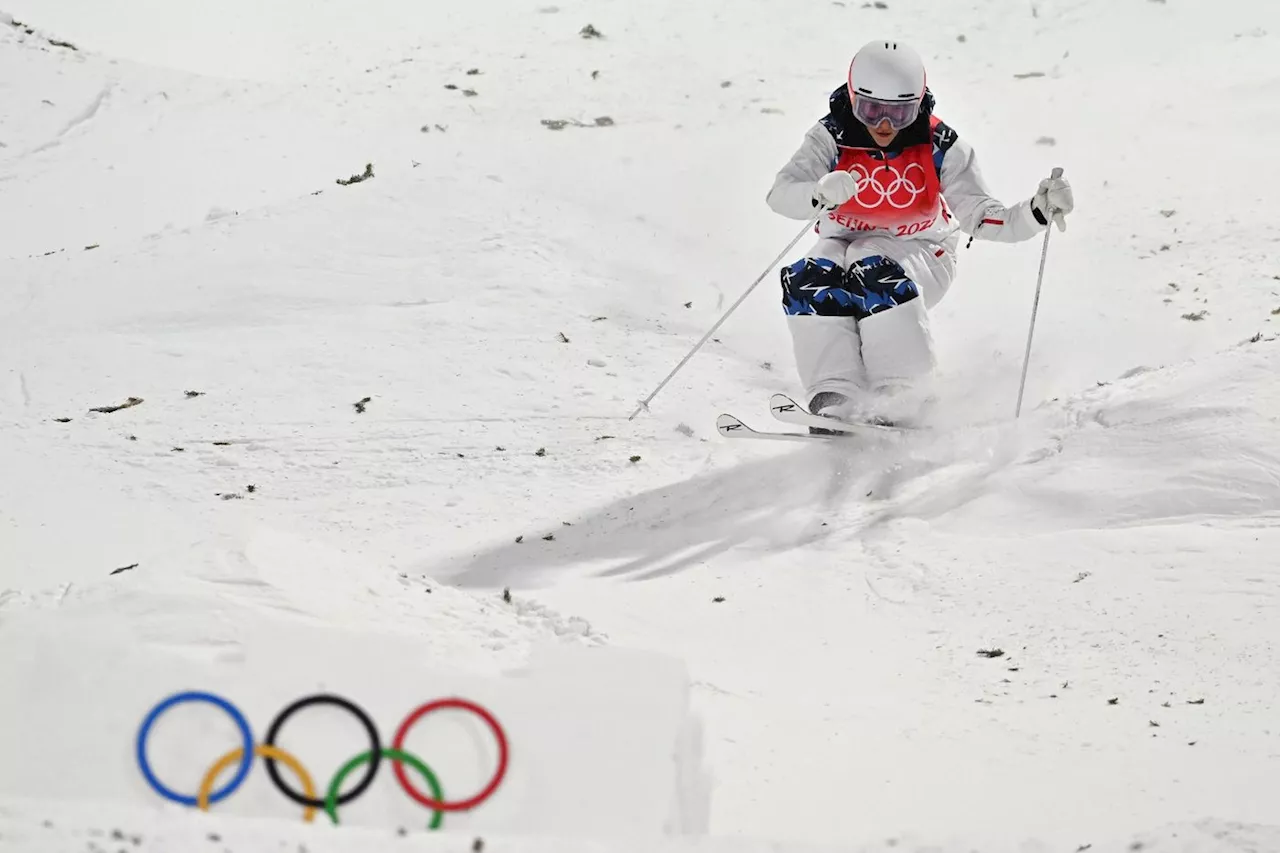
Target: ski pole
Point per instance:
(644, 404)
(1026, 359)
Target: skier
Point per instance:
(896, 184)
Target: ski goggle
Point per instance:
(871, 111)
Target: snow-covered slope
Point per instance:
(355, 393)
(49, 827)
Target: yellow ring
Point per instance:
(262, 751)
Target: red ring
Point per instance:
(463, 805)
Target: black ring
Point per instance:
(324, 699)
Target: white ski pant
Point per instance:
(857, 310)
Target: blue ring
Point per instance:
(246, 761)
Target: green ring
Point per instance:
(331, 798)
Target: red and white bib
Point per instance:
(893, 193)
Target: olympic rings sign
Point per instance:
(270, 753)
(890, 193)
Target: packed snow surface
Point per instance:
(393, 412)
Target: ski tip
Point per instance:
(731, 427)
(728, 423)
(783, 403)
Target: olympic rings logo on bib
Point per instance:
(243, 757)
(899, 189)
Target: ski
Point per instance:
(789, 411)
(731, 427)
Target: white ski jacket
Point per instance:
(964, 201)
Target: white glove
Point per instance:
(835, 188)
(1054, 198)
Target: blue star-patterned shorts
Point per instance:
(870, 285)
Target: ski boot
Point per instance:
(828, 404)
(900, 405)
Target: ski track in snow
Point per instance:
(85, 116)
(408, 398)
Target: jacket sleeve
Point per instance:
(979, 213)
(792, 192)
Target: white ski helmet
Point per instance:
(886, 81)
